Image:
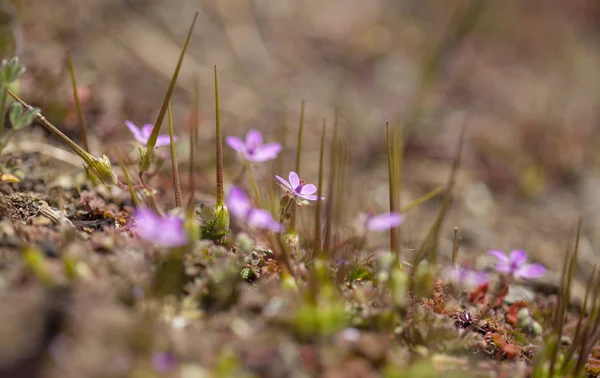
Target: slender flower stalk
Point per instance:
(82, 123)
(147, 154)
(392, 189)
(98, 166)
(292, 227)
(134, 196)
(221, 213)
(174, 167)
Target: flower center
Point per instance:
(298, 189)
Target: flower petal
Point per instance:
(164, 140)
(236, 143)
(171, 232)
(147, 131)
(501, 256)
(310, 197)
(285, 183)
(253, 139)
(530, 271)
(308, 189)
(384, 221)
(137, 134)
(294, 180)
(518, 257)
(237, 202)
(259, 218)
(265, 152)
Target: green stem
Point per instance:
(84, 155)
(174, 167)
(253, 184)
(219, 144)
(3, 99)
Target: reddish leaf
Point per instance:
(509, 350)
(511, 315)
(478, 295)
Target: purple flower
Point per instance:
(254, 149)
(384, 221)
(239, 205)
(515, 264)
(166, 231)
(142, 135)
(464, 276)
(163, 362)
(298, 187)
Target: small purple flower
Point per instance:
(515, 264)
(464, 276)
(254, 149)
(166, 231)
(239, 205)
(298, 187)
(142, 135)
(163, 362)
(384, 221)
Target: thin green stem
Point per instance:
(174, 167)
(84, 155)
(134, 196)
(292, 228)
(253, 184)
(317, 245)
(3, 100)
(391, 187)
(82, 123)
(219, 144)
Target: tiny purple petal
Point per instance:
(308, 189)
(530, 271)
(164, 140)
(137, 134)
(259, 218)
(236, 143)
(164, 231)
(163, 362)
(517, 258)
(294, 180)
(265, 152)
(147, 131)
(253, 139)
(384, 221)
(501, 256)
(310, 197)
(285, 183)
(237, 202)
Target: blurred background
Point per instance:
(521, 74)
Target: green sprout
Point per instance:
(10, 71)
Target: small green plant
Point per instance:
(10, 72)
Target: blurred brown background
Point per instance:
(523, 74)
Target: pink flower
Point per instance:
(464, 276)
(384, 221)
(166, 231)
(254, 149)
(142, 135)
(515, 264)
(298, 187)
(239, 205)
